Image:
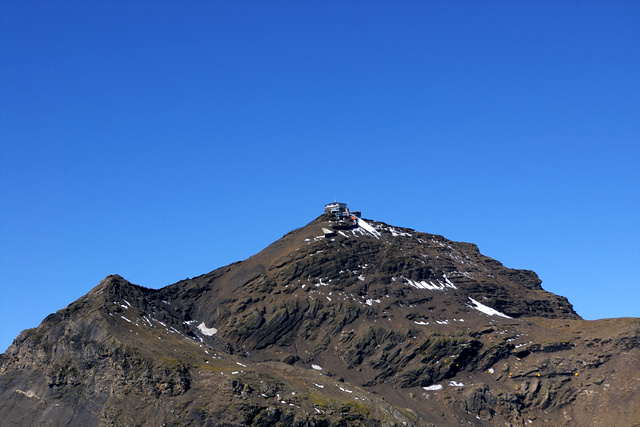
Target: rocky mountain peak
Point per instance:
(346, 252)
(345, 321)
(112, 286)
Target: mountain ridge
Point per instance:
(363, 323)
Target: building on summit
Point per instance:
(340, 216)
(340, 211)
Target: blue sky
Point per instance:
(160, 140)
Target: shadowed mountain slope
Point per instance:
(359, 323)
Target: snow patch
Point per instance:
(433, 387)
(396, 233)
(207, 331)
(368, 227)
(316, 367)
(449, 283)
(486, 310)
(438, 286)
(455, 384)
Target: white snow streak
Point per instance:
(486, 310)
(368, 228)
(440, 286)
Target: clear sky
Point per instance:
(160, 140)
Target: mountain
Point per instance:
(343, 322)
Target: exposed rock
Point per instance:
(371, 325)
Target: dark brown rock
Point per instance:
(359, 327)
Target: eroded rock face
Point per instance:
(370, 325)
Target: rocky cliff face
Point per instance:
(366, 325)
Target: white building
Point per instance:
(340, 210)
